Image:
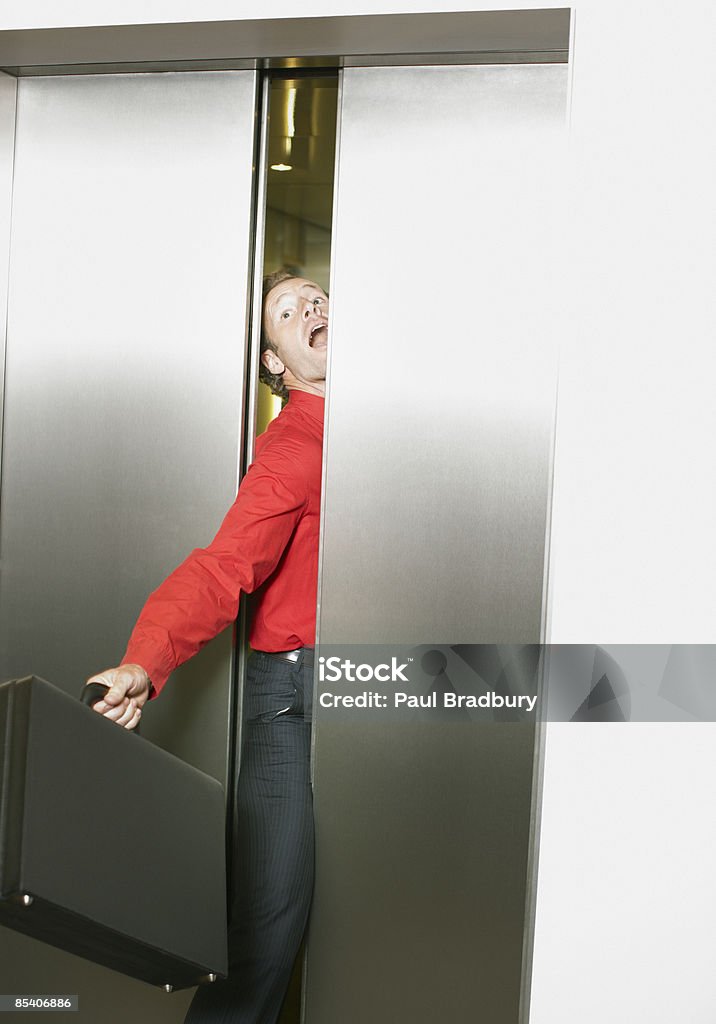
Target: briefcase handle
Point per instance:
(92, 692)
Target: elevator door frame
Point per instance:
(355, 40)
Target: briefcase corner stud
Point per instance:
(21, 899)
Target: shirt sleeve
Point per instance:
(201, 596)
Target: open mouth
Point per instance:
(318, 338)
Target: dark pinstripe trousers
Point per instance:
(273, 846)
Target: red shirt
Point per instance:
(267, 543)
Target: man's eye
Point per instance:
(317, 301)
(285, 314)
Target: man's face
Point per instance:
(296, 321)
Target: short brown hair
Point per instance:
(273, 380)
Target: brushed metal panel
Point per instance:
(125, 370)
(442, 376)
(422, 846)
(445, 287)
(8, 103)
(443, 32)
(358, 60)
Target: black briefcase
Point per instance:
(110, 847)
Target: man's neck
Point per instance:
(309, 388)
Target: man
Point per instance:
(267, 545)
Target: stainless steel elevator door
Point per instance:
(130, 250)
(126, 347)
(442, 384)
(442, 377)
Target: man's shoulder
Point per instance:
(285, 435)
(288, 431)
(289, 448)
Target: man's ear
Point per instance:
(272, 362)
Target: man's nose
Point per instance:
(310, 308)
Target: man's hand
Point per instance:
(127, 694)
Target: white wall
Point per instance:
(626, 912)
(635, 494)
(627, 893)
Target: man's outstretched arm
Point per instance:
(201, 597)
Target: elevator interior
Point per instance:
(301, 155)
(447, 182)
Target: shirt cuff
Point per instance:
(157, 664)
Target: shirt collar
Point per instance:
(312, 405)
